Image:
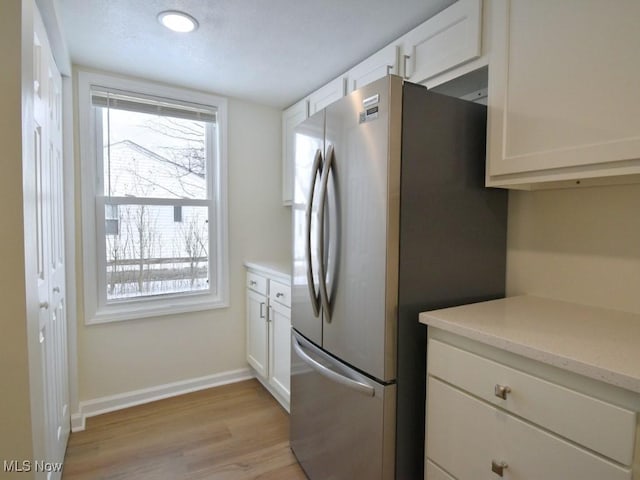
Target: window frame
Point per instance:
(97, 309)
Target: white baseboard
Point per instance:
(97, 406)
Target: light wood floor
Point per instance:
(235, 431)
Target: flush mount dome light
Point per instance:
(177, 21)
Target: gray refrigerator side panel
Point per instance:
(452, 241)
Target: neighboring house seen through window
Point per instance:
(159, 212)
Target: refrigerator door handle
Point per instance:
(356, 385)
(315, 299)
(324, 180)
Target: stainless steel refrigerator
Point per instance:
(390, 218)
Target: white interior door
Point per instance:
(50, 242)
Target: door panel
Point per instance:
(309, 143)
(338, 431)
(359, 326)
(257, 332)
(51, 277)
(280, 361)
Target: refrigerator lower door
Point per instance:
(342, 422)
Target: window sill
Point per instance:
(116, 313)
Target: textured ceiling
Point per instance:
(268, 51)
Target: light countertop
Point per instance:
(278, 269)
(595, 342)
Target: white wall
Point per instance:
(580, 245)
(125, 356)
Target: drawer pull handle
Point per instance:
(501, 391)
(279, 294)
(498, 468)
(253, 283)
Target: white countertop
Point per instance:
(595, 342)
(278, 269)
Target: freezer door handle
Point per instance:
(315, 169)
(324, 294)
(330, 374)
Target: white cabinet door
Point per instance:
(257, 332)
(564, 101)
(447, 40)
(326, 95)
(291, 118)
(376, 66)
(50, 245)
(280, 349)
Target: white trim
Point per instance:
(98, 406)
(51, 18)
(69, 170)
(97, 310)
(170, 306)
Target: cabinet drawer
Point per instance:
(257, 283)
(280, 292)
(598, 425)
(433, 472)
(465, 435)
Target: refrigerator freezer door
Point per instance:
(342, 423)
(306, 315)
(362, 223)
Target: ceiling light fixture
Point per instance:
(178, 21)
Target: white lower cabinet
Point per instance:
(487, 420)
(257, 332)
(280, 348)
(433, 472)
(269, 330)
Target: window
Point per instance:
(154, 199)
(177, 213)
(112, 220)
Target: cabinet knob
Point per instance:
(501, 391)
(498, 467)
(56, 289)
(44, 305)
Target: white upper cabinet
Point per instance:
(564, 102)
(445, 47)
(443, 42)
(291, 118)
(327, 94)
(378, 65)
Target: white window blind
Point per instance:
(111, 98)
